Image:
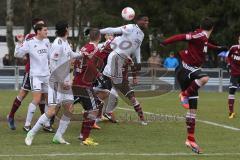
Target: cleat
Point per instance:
(27, 128)
(232, 115)
(184, 101)
(95, 126)
(89, 142)
(143, 123)
(59, 140)
(48, 129)
(29, 139)
(193, 146)
(11, 123)
(110, 117)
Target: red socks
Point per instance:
(139, 111)
(190, 122)
(231, 99)
(16, 104)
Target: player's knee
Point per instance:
(204, 79)
(90, 114)
(51, 111)
(22, 94)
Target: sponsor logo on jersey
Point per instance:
(235, 57)
(42, 51)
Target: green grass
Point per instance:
(128, 137)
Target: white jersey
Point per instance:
(129, 42)
(60, 60)
(38, 51)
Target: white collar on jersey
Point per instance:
(205, 33)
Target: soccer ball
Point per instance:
(128, 13)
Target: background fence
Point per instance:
(150, 78)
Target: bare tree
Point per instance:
(27, 16)
(9, 23)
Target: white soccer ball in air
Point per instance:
(128, 13)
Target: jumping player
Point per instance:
(125, 46)
(234, 63)
(189, 73)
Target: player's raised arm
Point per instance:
(111, 30)
(21, 48)
(118, 30)
(176, 38)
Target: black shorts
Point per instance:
(86, 97)
(234, 81)
(185, 74)
(26, 82)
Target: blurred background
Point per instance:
(167, 17)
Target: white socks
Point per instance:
(30, 113)
(63, 124)
(41, 121)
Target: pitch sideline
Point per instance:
(198, 120)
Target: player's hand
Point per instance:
(20, 38)
(223, 48)
(66, 86)
(129, 61)
(135, 80)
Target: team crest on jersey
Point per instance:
(56, 55)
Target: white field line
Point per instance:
(198, 120)
(120, 154)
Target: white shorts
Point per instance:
(57, 95)
(114, 67)
(39, 83)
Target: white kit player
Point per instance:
(59, 91)
(124, 46)
(37, 48)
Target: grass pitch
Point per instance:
(163, 138)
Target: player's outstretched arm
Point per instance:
(218, 48)
(21, 48)
(111, 30)
(175, 38)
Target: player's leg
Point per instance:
(194, 86)
(190, 123)
(65, 98)
(231, 96)
(26, 87)
(64, 122)
(89, 101)
(110, 105)
(36, 86)
(48, 126)
(44, 118)
(125, 89)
